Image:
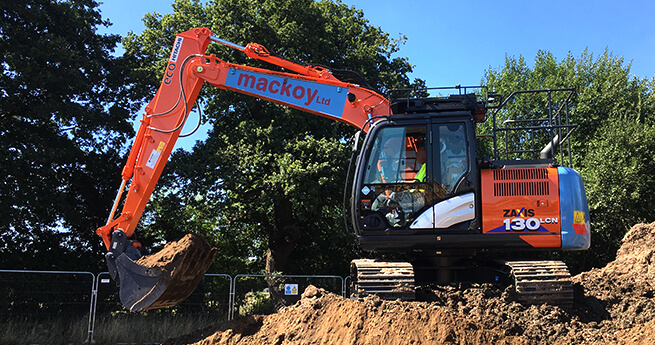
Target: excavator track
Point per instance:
(389, 280)
(538, 282)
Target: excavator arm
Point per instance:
(168, 278)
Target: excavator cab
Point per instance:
(458, 217)
(416, 175)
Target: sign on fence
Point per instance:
(265, 294)
(290, 289)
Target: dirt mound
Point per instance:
(613, 305)
(619, 296)
(182, 265)
(168, 257)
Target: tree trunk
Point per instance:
(281, 245)
(284, 241)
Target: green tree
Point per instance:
(64, 116)
(618, 171)
(613, 146)
(268, 182)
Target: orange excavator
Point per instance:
(418, 186)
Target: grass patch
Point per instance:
(138, 328)
(60, 331)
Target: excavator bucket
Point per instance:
(165, 278)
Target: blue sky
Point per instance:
(453, 42)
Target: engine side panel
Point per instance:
(522, 202)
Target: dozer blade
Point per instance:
(165, 278)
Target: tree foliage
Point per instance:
(63, 114)
(268, 182)
(613, 147)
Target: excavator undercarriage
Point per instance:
(386, 279)
(533, 282)
(537, 282)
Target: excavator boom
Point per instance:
(160, 280)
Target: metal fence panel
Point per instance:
(45, 306)
(76, 307)
(207, 305)
(347, 287)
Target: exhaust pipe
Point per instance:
(548, 152)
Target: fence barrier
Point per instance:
(86, 307)
(30, 297)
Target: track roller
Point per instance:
(538, 282)
(388, 280)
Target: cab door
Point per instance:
(451, 182)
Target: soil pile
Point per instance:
(613, 305)
(182, 265)
(175, 251)
(619, 296)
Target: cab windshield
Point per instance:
(397, 156)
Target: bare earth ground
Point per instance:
(613, 305)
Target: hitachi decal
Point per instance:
(176, 48)
(326, 99)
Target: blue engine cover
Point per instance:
(574, 211)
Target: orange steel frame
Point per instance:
(187, 70)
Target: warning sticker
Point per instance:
(579, 226)
(154, 155)
(578, 217)
(152, 160)
(291, 289)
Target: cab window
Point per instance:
(397, 156)
(452, 155)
